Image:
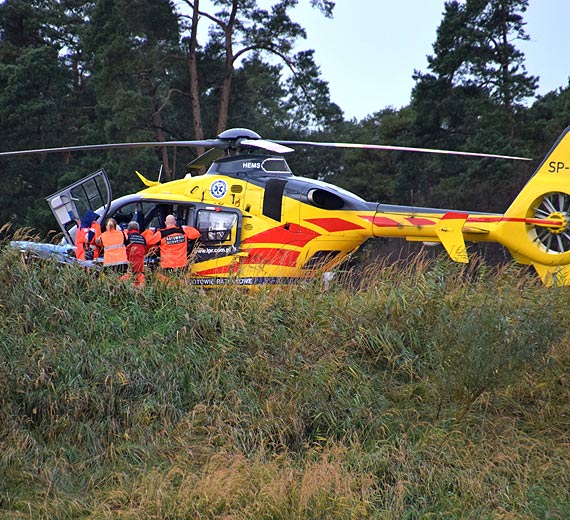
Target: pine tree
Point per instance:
(242, 29)
(473, 99)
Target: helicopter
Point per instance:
(261, 224)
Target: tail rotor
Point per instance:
(552, 206)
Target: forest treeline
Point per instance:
(83, 72)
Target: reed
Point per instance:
(398, 391)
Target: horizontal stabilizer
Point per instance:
(450, 231)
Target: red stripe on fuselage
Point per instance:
(289, 234)
(271, 256)
(452, 215)
(225, 269)
(419, 221)
(261, 256)
(388, 222)
(494, 220)
(380, 221)
(334, 224)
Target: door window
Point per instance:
(90, 193)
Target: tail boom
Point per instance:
(535, 228)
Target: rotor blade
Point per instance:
(205, 143)
(272, 146)
(206, 158)
(400, 148)
(545, 222)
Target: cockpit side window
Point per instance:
(217, 227)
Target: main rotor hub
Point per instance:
(239, 133)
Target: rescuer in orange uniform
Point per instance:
(87, 232)
(113, 242)
(136, 251)
(173, 242)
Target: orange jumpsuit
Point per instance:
(173, 242)
(114, 250)
(85, 238)
(136, 250)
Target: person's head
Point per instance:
(111, 224)
(88, 218)
(133, 225)
(170, 220)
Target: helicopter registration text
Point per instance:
(557, 166)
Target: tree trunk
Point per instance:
(225, 99)
(194, 87)
(160, 136)
(228, 72)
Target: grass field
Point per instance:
(425, 391)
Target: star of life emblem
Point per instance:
(218, 189)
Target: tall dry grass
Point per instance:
(426, 389)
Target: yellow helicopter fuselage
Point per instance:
(260, 224)
(292, 227)
(277, 237)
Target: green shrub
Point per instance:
(431, 389)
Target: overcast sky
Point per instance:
(369, 50)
